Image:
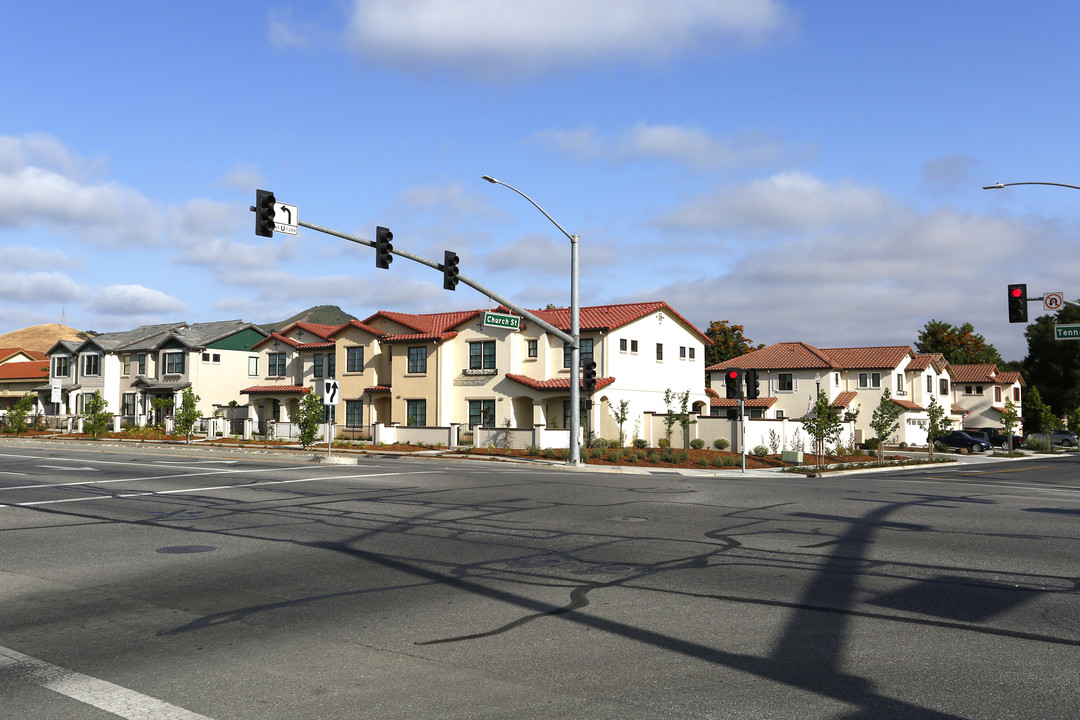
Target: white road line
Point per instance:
(212, 488)
(137, 479)
(104, 695)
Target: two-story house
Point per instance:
(979, 393)
(21, 371)
(853, 379)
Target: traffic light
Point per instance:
(450, 270)
(264, 213)
(752, 388)
(383, 248)
(589, 376)
(1018, 311)
(733, 382)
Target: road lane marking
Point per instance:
(67, 467)
(104, 695)
(184, 491)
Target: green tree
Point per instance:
(937, 423)
(959, 345)
(1009, 418)
(823, 425)
(309, 417)
(728, 342)
(684, 417)
(884, 422)
(188, 414)
(1051, 365)
(97, 417)
(620, 418)
(17, 416)
(670, 418)
(1038, 417)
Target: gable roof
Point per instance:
(10, 354)
(25, 370)
(610, 317)
(431, 326)
(803, 356)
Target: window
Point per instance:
(416, 412)
(836, 379)
(317, 365)
(682, 352)
(331, 365)
(622, 344)
(482, 413)
(1016, 394)
(482, 355)
(91, 365)
(973, 389)
(61, 367)
(659, 351)
(780, 415)
(142, 363)
(354, 413)
(127, 406)
(785, 382)
(691, 353)
(275, 364)
(900, 384)
(253, 366)
(417, 360)
(354, 359)
(211, 357)
(127, 364)
(869, 380)
(206, 357)
(997, 393)
(530, 348)
(929, 385)
(633, 346)
(174, 363)
(566, 412)
(584, 356)
(943, 388)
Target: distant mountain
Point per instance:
(320, 315)
(39, 337)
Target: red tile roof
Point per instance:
(6, 353)
(907, 405)
(801, 356)
(982, 372)
(842, 400)
(761, 402)
(25, 370)
(432, 326)
(319, 330)
(610, 317)
(357, 324)
(554, 383)
(275, 389)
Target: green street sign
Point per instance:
(1067, 332)
(510, 322)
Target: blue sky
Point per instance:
(810, 170)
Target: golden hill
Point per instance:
(38, 337)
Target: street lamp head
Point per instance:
(488, 178)
(997, 186)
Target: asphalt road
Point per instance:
(171, 585)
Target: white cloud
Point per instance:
(126, 300)
(786, 202)
(495, 38)
(31, 258)
(230, 256)
(284, 32)
(39, 288)
(244, 177)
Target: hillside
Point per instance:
(39, 337)
(320, 314)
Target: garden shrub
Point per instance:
(761, 450)
(533, 450)
(663, 443)
(653, 457)
(640, 443)
(703, 460)
(718, 460)
(697, 443)
(721, 443)
(613, 456)
(683, 456)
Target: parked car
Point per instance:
(1000, 439)
(1064, 438)
(958, 439)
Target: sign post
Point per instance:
(330, 390)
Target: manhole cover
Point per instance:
(181, 549)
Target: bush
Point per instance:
(871, 444)
(653, 457)
(668, 455)
(551, 454)
(1037, 444)
(703, 460)
(731, 460)
(697, 443)
(718, 460)
(663, 443)
(683, 456)
(613, 456)
(721, 443)
(599, 442)
(761, 450)
(640, 444)
(533, 450)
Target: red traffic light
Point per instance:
(1016, 292)
(733, 374)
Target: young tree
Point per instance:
(937, 423)
(885, 421)
(620, 418)
(1038, 417)
(684, 416)
(97, 415)
(670, 418)
(960, 345)
(1009, 418)
(18, 414)
(728, 342)
(188, 414)
(823, 425)
(309, 417)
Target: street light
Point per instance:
(999, 186)
(575, 328)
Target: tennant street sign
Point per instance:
(510, 322)
(1067, 332)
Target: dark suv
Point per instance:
(958, 439)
